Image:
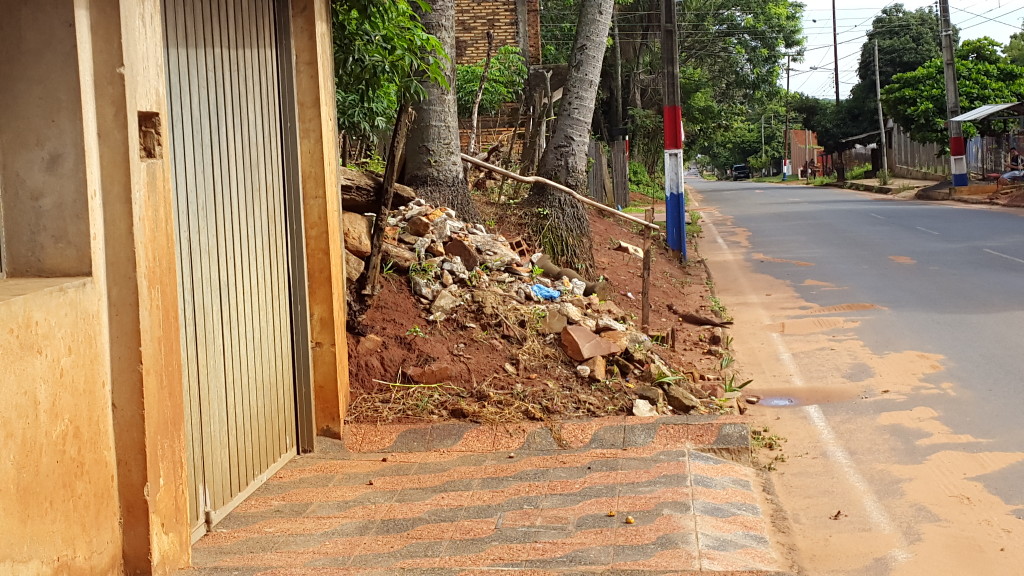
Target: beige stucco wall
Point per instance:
(46, 229)
(58, 504)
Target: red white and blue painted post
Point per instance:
(675, 202)
(675, 198)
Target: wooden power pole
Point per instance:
(957, 149)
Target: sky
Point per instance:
(997, 19)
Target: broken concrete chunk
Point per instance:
(496, 253)
(642, 408)
(571, 312)
(553, 321)
(582, 344)
(583, 371)
(446, 301)
(426, 288)
(610, 309)
(604, 324)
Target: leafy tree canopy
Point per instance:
(504, 82)
(1014, 50)
(380, 53)
(917, 100)
(906, 40)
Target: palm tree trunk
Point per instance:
(432, 164)
(560, 221)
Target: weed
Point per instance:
(415, 331)
(490, 224)
(730, 384)
(727, 342)
(726, 362)
(536, 271)
(764, 439)
(884, 178)
(389, 268)
(718, 308)
(423, 270)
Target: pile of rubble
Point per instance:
(457, 269)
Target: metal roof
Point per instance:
(990, 110)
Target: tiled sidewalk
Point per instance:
(456, 499)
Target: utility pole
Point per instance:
(881, 118)
(840, 167)
(675, 203)
(785, 132)
(957, 149)
(762, 144)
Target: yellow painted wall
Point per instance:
(58, 502)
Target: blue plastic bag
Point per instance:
(544, 293)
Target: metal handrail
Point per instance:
(557, 186)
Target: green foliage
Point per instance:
(1014, 50)
(917, 100)
(906, 40)
(641, 182)
(504, 84)
(381, 53)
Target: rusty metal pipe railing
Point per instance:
(645, 305)
(556, 186)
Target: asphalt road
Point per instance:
(950, 281)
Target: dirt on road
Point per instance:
(853, 503)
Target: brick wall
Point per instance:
(473, 18)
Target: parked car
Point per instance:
(740, 172)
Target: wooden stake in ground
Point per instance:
(645, 291)
(387, 191)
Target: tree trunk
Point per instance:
(432, 163)
(560, 221)
(474, 117)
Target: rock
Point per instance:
(433, 374)
(436, 249)
(426, 288)
(604, 324)
(582, 344)
(442, 229)
(628, 340)
(437, 214)
(510, 369)
(571, 312)
(418, 226)
(456, 267)
(553, 321)
(420, 247)
(496, 253)
(713, 389)
(643, 408)
(598, 368)
(583, 371)
(751, 399)
(657, 369)
(446, 278)
(680, 399)
(402, 258)
(356, 229)
(354, 266)
(360, 192)
(716, 336)
(652, 394)
(459, 248)
(369, 344)
(407, 239)
(589, 324)
(445, 302)
(578, 287)
(478, 229)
